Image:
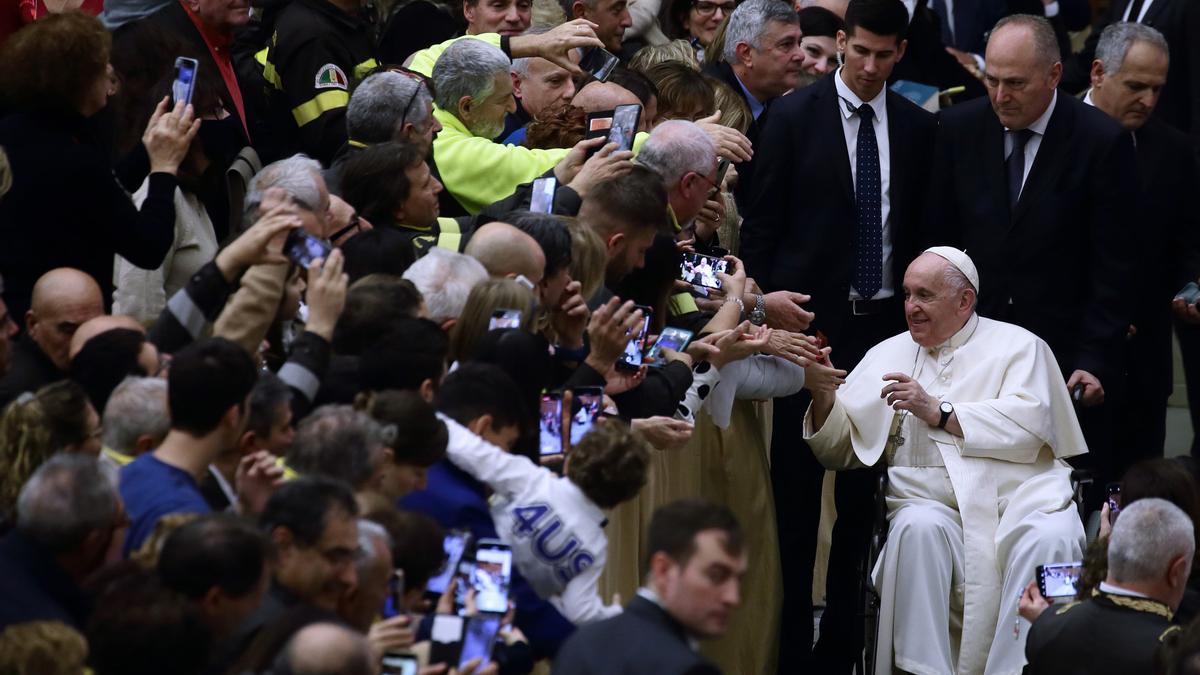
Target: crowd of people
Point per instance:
(329, 336)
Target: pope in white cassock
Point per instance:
(974, 420)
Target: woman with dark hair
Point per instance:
(65, 208)
(525, 357)
(696, 21)
(107, 359)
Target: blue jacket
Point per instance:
(33, 587)
(457, 501)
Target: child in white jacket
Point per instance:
(555, 524)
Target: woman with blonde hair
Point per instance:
(589, 257)
(486, 300)
(58, 418)
(676, 50)
(683, 93)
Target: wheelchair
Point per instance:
(869, 597)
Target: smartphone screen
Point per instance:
(598, 62)
(722, 169)
(445, 638)
(542, 200)
(505, 318)
(671, 338)
(586, 404)
(701, 270)
(185, 80)
(1059, 580)
(550, 423)
(398, 664)
(1114, 501)
(478, 639)
(624, 125)
(455, 544)
(491, 576)
(302, 248)
(632, 358)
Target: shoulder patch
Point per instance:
(331, 77)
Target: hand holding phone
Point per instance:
(542, 200)
(505, 318)
(551, 426)
(302, 248)
(702, 270)
(1059, 580)
(631, 359)
(675, 339)
(185, 80)
(598, 62)
(586, 405)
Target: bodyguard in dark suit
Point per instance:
(693, 570)
(1127, 77)
(1179, 22)
(834, 213)
(762, 62)
(1041, 190)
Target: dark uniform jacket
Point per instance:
(315, 57)
(1105, 634)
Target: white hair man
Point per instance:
(1128, 75)
(973, 422)
(1120, 627)
(391, 106)
(135, 421)
(445, 279)
(763, 58)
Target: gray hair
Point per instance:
(467, 68)
(137, 407)
(337, 441)
(958, 282)
(384, 101)
(1044, 41)
(676, 147)
(370, 532)
(1116, 40)
(1147, 536)
(297, 175)
(67, 498)
(445, 279)
(749, 21)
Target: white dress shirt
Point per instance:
(850, 122)
(1035, 141)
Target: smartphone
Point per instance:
(632, 358)
(185, 80)
(722, 169)
(1114, 501)
(542, 200)
(701, 270)
(671, 338)
(302, 248)
(399, 664)
(394, 604)
(586, 405)
(550, 425)
(478, 639)
(491, 576)
(455, 545)
(1189, 293)
(1059, 580)
(598, 62)
(624, 125)
(505, 318)
(445, 638)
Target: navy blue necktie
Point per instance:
(1016, 165)
(868, 201)
(939, 8)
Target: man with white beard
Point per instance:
(974, 421)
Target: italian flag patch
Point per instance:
(331, 77)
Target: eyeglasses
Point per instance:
(354, 224)
(421, 80)
(714, 190)
(706, 8)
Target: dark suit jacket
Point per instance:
(1179, 22)
(926, 60)
(1060, 264)
(745, 171)
(642, 639)
(1168, 226)
(799, 232)
(1103, 635)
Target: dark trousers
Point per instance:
(1189, 347)
(796, 477)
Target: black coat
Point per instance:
(1179, 22)
(1169, 229)
(1059, 264)
(799, 232)
(35, 587)
(745, 170)
(642, 639)
(1102, 635)
(66, 209)
(29, 370)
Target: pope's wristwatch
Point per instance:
(758, 315)
(947, 410)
